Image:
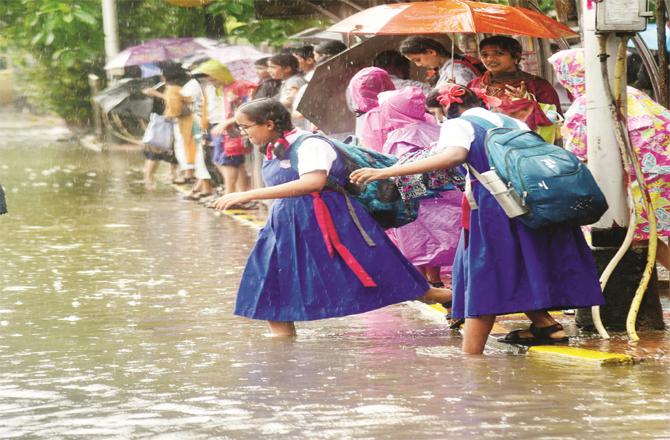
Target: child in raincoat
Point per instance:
(362, 95)
(430, 241)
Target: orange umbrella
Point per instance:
(451, 16)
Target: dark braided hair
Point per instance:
(259, 111)
(470, 100)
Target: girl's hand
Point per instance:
(366, 175)
(230, 200)
(517, 92)
(218, 130)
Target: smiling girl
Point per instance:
(521, 93)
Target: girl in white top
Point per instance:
(311, 260)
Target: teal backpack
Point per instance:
(380, 198)
(553, 183)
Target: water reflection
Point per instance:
(116, 322)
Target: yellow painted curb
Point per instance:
(581, 354)
(557, 352)
(438, 307)
(498, 329)
(245, 217)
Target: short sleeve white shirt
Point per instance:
(215, 103)
(460, 133)
(462, 74)
(314, 154)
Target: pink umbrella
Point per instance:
(159, 49)
(238, 59)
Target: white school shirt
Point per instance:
(216, 108)
(314, 154)
(460, 133)
(462, 74)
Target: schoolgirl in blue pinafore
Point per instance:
(291, 274)
(503, 267)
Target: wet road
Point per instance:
(116, 322)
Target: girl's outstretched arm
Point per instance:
(308, 183)
(449, 158)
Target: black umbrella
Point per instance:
(324, 102)
(126, 97)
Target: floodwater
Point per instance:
(116, 323)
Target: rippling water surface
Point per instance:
(116, 322)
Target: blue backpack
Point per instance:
(552, 182)
(380, 198)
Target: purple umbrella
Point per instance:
(160, 49)
(238, 59)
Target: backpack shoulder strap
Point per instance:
(332, 184)
(479, 121)
(509, 122)
(487, 125)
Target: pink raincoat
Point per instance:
(362, 92)
(432, 238)
(649, 130)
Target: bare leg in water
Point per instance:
(282, 328)
(287, 328)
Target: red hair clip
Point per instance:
(450, 94)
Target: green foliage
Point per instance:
(65, 44)
(241, 22)
(65, 41)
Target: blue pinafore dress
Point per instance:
(502, 266)
(298, 272)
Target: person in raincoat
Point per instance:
(430, 241)
(649, 131)
(362, 93)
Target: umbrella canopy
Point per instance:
(324, 101)
(157, 50)
(238, 59)
(451, 16)
(114, 96)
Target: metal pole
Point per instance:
(603, 152)
(663, 97)
(110, 27)
(94, 84)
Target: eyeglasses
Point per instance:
(244, 127)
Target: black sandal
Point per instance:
(455, 324)
(541, 336)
